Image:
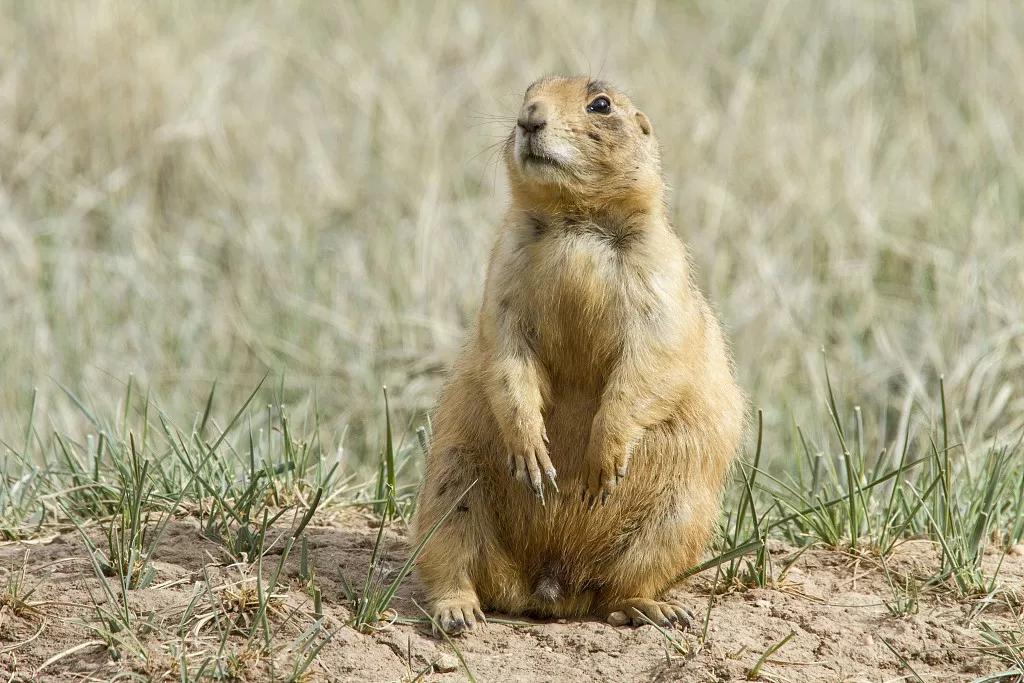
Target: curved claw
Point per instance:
(531, 466)
(551, 478)
(455, 618)
(600, 485)
(642, 611)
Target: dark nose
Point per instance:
(533, 118)
(532, 125)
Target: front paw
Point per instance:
(607, 464)
(530, 464)
(603, 474)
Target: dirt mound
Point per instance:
(832, 603)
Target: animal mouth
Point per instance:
(532, 157)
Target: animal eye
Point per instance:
(600, 105)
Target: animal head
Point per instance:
(581, 141)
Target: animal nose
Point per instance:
(533, 118)
(532, 125)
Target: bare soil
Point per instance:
(831, 601)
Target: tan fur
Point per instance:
(596, 365)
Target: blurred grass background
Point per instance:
(195, 191)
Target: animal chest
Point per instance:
(584, 293)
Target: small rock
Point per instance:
(1017, 549)
(618, 619)
(446, 664)
(866, 640)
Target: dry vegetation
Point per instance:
(191, 193)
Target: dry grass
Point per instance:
(192, 191)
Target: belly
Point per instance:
(568, 421)
(565, 540)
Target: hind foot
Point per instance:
(455, 616)
(641, 611)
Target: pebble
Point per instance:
(446, 663)
(618, 619)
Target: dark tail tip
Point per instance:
(547, 589)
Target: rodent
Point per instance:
(593, 413)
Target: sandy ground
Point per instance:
(831, 602)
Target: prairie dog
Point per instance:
(594, 405)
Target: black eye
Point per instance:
(601, 105)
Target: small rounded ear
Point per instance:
(644, 122)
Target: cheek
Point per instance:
(607, 154)
(605, 137)
(561, 150)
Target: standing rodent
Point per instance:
(593, 414)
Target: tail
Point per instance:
(547, 589)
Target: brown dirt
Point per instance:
(831, 601)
